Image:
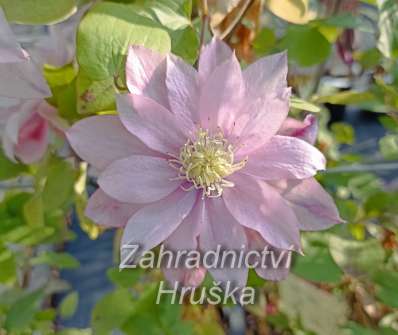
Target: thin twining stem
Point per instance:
(390, 166)
(205, 22)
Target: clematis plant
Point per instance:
(207, 157)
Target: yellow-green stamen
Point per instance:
(206, 162)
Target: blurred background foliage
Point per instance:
(342, 67)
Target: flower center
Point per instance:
(206, 162)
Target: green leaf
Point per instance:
(9, 169)
(68, 305)
(59, 260)
(22, 311)
(62, 82)
(386, 287)
(388, 19)
(347, 98)
(94, 95)
(356, 329)
(317, 265)
(38, 11)
(33, 211)
(107, 31)
(264, 41)
(7, 266)
(300, 41)
(301, 104)
(343, 132)
(357, 257)
(389, 146)
(58, 189)
(103, 38)
(364, 185)
(348, 209)
(156, 319)
(318, 311)
(112, 311)
(124, 278)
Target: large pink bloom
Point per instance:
(24, 115)
(194, 159)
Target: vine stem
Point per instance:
(205, 23)
(234, 24)
(389, 166)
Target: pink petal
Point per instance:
(221, 229)
(183, 90)
(10, 50)
(185, 238)
(146, 74)
(306, 130)
(285, 157)
(276, 262)
(259, 206)
(100, 140)
(139, 179)
(154, 125)
(260, 121)
(109, 212)
(152, 224)
(25, 134)
(221, 96)
(314, 207)
(266, 75)
(211, 56)
(185, 277)
(32, 140)
(23, 80)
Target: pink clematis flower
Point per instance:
(194, 159)
(25, 116)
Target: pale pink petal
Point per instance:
(260, 121)
(154, 125)
(139, 179)
(25, 134)
(10, 50)
(268, 74)
(259, 206)
(185, 238)
(306, 130)
(275, 264)
(32, 140)
(8, 147)
(146, 74)
(23, 80)
(100, 140)
(285, 157)
(154, 223)
(185, 277)
(314, 207)
(221, 96)
(108, 212)
(221, 229)
(50, 114)
(211, 56)
(183, 90)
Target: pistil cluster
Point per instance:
(206, 162)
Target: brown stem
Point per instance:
(230, 30)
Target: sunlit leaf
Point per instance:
(294, 11)
(69, 304)
(38, 11)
